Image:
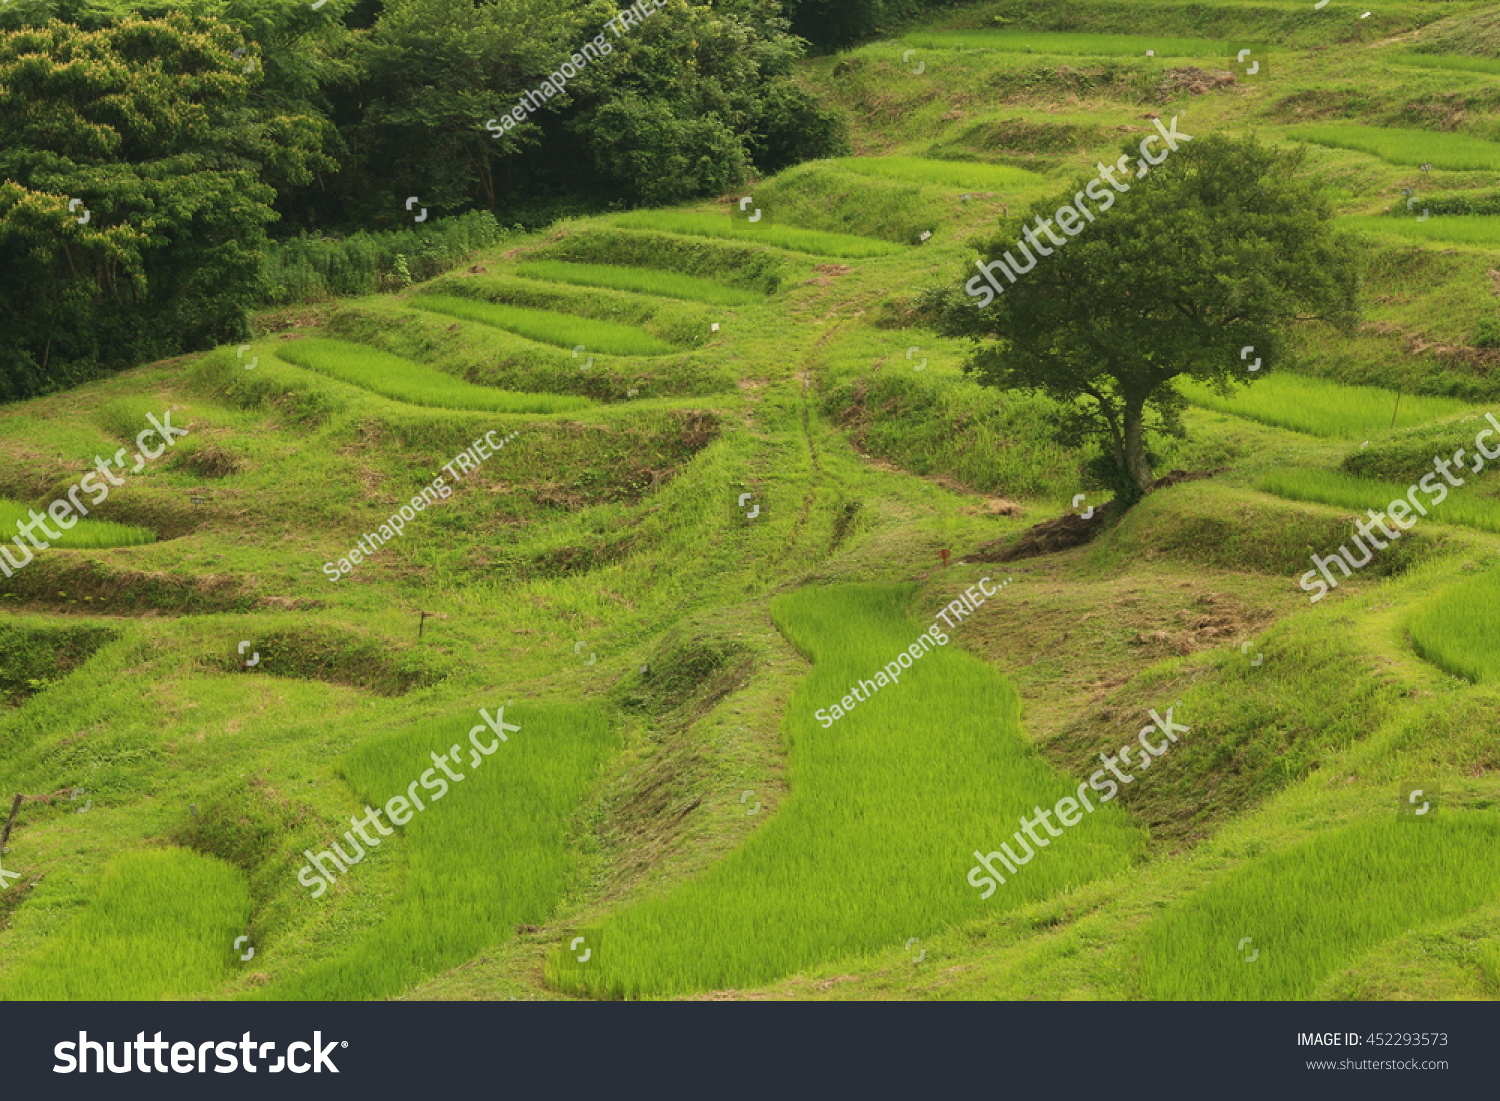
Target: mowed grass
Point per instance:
(668, 284)
(1458, 152)
(1330, 487)
(162, 924)
(83, 535)
(965, 175)
(1458, 630)
(1088, 45)
(490, 853)
(1317, 908)
(1469, 229)
(405, 380)
(1320, 407)
(877, 835)
(545, 327)
(815, 242)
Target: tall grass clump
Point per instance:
(1319, 907)
(1457, 630)
(305, 267)
(84, 535)
(405, 380)
(1087, 45)
(815, 242)
(492, 853)
(970, 175)
(161, 925)
(1458, 152)
(885, 810)
(547, 327)
(1321, 407)
(1327, 487)
(992, 441)
(668, 284)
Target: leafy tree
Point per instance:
(131, 208)
(837, 24)
(686, 103)
(1221, 247)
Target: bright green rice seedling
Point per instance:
(669, 284)
(964, 175)
(886, 808)
(1469, 229)
(1319, 907)
(1320, 407)
(562, 329)
(1088, 45)
(84, 535)
(1458, 631)
(162, 924)
(1327, 487)
(404, 380)
(1458, 152)
(489, 854)
(812, 241)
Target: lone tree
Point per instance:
(1220, 247)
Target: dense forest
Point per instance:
(165, 168)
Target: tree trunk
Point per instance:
(1137, 466)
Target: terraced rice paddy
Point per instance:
(885, 809)
(1328, 487)
(83, 535)
(546, 327)
(964, 175)
(812, 241)
(489, 853)
(1083, 45)
(1480, 230)
(406, 380)
(668, 284)
(1320, 407)
(1319, 906)
(1450, 62)
(1458, 152)
(162, 924)
(1458, 630)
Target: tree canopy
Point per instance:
(1220, 247)
(135, 186)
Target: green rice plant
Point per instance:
(1450, 62)
(965, 175)
(490, 853)
(547, 327)
(1458, 631)
(816, 242)
(887, 806)
(1459, 152)
(1480, 230)
(669, 284)
(1319, 907)
(162, 924)
(1088, 45)
(1327, 487)
(83, 535)
(1320, 407)
(405, 380)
